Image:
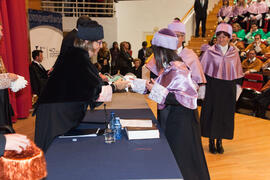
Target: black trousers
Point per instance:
(198, 20)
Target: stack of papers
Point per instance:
(140, 129)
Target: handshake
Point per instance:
(121, 84)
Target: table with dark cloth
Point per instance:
(91, 158)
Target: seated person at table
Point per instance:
(257, 45)
(137, 69)
(239, 31)
(262, 101)
(73, 85)
(251, 64)
(253, 31)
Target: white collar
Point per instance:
(257, 44)
(252, 60)
(223, 48)
(179, 50)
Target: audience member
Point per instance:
(238, 44)
(257, 45)
(125, 59)
(239, 31)
(218, 108)
(103, 58)
(98, 66)
(137, 69)
(142, 53)
(240, 14)
(115, 53)
(225, 13)
(257, 11)
(200, 8)
(129, 48)
(253, 31)
(262, 101)
(252, 63)
(38, 74)
(213, 41)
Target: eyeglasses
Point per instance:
(99, 42)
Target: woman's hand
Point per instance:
(12, 77)
(149, 85)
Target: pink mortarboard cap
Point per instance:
(165, 38)
(177, 26)
(224, 27)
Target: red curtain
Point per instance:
(14, 51)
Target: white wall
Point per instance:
(135, 18)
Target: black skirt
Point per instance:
(217, 115)
(6, 111)
(182, 131)
(55, 119)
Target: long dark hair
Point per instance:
(164, 55)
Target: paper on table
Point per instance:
(136, 122)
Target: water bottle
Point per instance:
(112, 121)
(117, 126)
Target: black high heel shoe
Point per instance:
(212, 147)
(220, 148)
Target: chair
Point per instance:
(252, 86)
(253, 81)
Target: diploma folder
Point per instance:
(79, 133)
(142, 132)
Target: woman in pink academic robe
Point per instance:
(225, 13)
(222, 67)
(174, 88)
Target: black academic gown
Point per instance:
(218, 108)
(73, 84)
(182, 129)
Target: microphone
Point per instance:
(106, 116)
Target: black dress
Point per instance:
(73, 84)
(217, 114)
(182, 131)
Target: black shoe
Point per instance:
(203, 35)
(196, 36)
(220, 149)
(212, 147)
